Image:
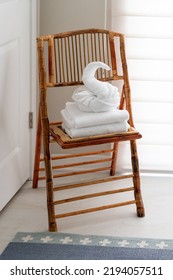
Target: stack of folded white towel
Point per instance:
(94, 110)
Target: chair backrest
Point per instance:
(62, 58)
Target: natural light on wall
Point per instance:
(148, 28)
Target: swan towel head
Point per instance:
(90, 69)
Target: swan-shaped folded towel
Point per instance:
(96, 96)
(97, 130)
(73, 117)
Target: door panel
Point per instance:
(15, 84)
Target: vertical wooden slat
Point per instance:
(99, 42)
(73, 58)
(69, 58)
(92, 48)
(56, 62)
(88, 48)
(62, 60)
(105, 54)
(103, 45)
(81, 54)
(66, 59)
(95, 47)
(108, 53)
(84, 44)
(59, 59)
(77, 58)
(99, 53)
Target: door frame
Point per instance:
(35, 18)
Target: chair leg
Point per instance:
(37, 153)
(114, 159)
(136, 179)
(49, 179)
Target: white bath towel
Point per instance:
(97, 130)
(73, 117)
(96, 96)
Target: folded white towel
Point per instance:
(96, 96)
(97, 130)
(73, 117)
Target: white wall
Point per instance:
(67, 15)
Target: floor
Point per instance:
(27, 212)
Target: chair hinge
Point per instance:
(30, 120)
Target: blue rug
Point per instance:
(64, 246)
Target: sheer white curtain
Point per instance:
(148, 27)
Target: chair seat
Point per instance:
(65, 141)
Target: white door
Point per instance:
(15, 91)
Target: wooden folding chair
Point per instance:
(61, 60)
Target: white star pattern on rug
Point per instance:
(162, 245)
(27, 238)
(104, 242)
(46, 239)
(66, 240)
(142, 244)
(85, 241)
(123, 243)
(77, 239)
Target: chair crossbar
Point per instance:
(72, 199)
(90, 210)
(88, 183)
